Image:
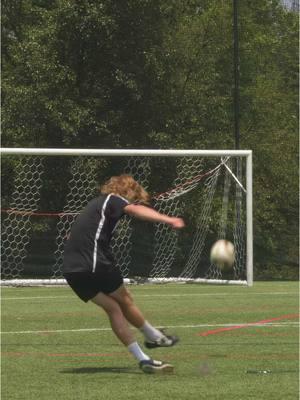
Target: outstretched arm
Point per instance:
(148, 214)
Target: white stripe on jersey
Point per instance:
(123, 198)
(98, 232)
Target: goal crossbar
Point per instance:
(125, 152)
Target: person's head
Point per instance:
(127, 187)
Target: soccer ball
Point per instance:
(222, 254)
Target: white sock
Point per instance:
(150, 332)
(137, 352)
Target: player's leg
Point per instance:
(117, 321)
(131, 312)
(122, 331)
(154, 337)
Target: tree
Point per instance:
(269, 124)
(84, 73)
(159, 74)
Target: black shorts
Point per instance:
(88, 284)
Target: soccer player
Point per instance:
(90, 270)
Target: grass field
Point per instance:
(56, 347)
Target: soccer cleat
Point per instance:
(165, 341)
(155, 367)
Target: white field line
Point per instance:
(162, 295)
(276, 324)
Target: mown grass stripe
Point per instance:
(230, 326)
(162, 295)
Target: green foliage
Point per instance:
(159, 74)
(269, 109)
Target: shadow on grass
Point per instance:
(101, 370)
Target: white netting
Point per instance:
(17, 222)
(187, 178)
(201, 190)
(240, 226)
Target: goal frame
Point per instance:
(167, 153)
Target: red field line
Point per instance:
(250, 324)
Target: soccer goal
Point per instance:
(43, 191)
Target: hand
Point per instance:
(177, 223)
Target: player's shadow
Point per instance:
(100, 370)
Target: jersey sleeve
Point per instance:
(117, 205)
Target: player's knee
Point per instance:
(123, 298)
(113, 309)
(110, 306)
(126, 300)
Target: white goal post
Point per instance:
(44, 189)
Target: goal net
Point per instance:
(43, 191)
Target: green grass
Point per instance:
(50, 361)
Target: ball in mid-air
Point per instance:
(222, 254)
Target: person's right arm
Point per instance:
(151, 215)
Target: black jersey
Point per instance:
(87, 249)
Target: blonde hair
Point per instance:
(126, 186)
